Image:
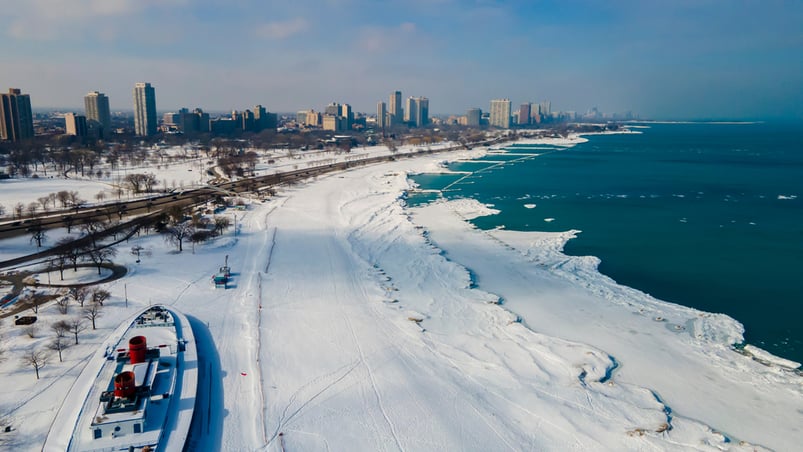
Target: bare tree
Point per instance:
(34, 301)
(68, 252)
(100, 295)
(63, 197)
(139, 182)
(44, 201)
(32, 208)
(221, 224)
(59, 341)
(75, 200)
(99, 255)
(177, 233)
(139, 251)
(18, 209)
(76, 325)
(92, 312)
(36, 359)
(79, 294)
(37, 232)
(63, 304)
(51, 197)
(91, 226)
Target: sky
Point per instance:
(679, 59)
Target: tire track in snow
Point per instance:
(354, 286)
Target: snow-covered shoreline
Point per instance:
(357, 323)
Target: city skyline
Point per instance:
(680, 60)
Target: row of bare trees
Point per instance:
(91, 302)
(66, 199)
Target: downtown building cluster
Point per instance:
(16, 118)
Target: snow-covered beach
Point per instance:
(357, 323)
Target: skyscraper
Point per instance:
(381, 115)
(75, 124)
(417, 113)
(524, 114)
(473, 117)
(144, 109)
(16, 119)
(96, 106)
(500, 113)
(345, 112)
(409, 111)
(395, 109)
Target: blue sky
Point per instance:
(661, 59)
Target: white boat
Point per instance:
(138, 391)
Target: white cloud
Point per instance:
(282, 30)
(379, 39)
(45, 20)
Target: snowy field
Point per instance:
(356, 323)
(173, 174)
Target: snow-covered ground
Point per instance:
(355, 323)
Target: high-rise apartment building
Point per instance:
(473, 116)
(347, 114)
(395, 109)
(96, 107)
(500, 113)
(332, 109)
(381, 115)
(524, 114)
(545, 108)
(417, 113)
(75, 124)
(16, 118)
(144, 109)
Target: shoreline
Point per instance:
(704, 337)
(738, 346)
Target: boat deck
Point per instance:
(159, 410)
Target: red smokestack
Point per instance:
(124, 385)
(137, 348)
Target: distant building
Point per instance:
(500, 113)
(332, 109)
(75, 124)
(16, 118)
(96, 107)
(335, 123)
(473, 116)
(524, 114)
(313, 118)
(417, 112)
(263, 119)
(171, 119)
(395, 109)
(381, 115)
(144, 109)
(301, 117)
(193, 122)
(223, 126)
(347, 114)
(545, 108)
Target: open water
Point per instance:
(704, 215)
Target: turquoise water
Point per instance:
(704, 215)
